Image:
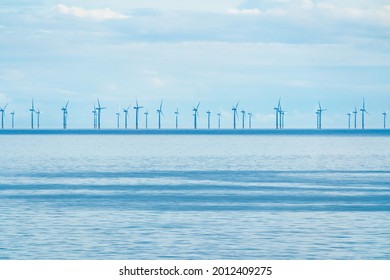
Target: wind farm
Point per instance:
(248, 120)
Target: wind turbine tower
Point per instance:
(13, 119)
(277, 109)
(349, 120)
(126, 111)
(118, 115)
(160, 112)
(384, 119)
(177, 118)
(137, 107)
(282, 119)
(146, 119)
(219, 120)
(2, 110)
(99, 109)
(354, 117)
(235, 114)
(208, 119)
(94, 112)
(196, 114)
(363, 110)
(250, 120)
(65, 115)
(32, 110)
(243, 118)
(318, 119)
(38, 115)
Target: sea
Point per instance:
(253, 194)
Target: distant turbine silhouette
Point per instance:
(177, 118)
(219, 120)
(354, 117)
(277, 109)
(136, 107)
(363, 110)
(126, 111)
(318, 119)
(160, 112)
(384, 119)
(243, 118)
(208, 119)
(282, 119)
(146, 119)
(38, 115)
(195, 114)
(32, 110)
(235, 114)
(349, 120)
(2, 110)
(250, 119)
(13, 119)
(99, 109)
(320, 110)
(65, 115)
(94, 117)
(118, 115)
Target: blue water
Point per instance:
(264, 195)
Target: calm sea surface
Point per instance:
(194, 196)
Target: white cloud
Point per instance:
(96, 14)
(234, 11)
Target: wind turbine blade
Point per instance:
(237, 104)
(5, 106)
(66, 106)
(98, 102)
(197, 106)
(161, 105)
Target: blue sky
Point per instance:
(184, 52)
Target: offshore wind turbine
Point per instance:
(384, 119)
(318, 119)
(250, 119)
(235, 114)
(282, 119)
(2, 110)
(277, 109)
(65, 115)
(243, 118)
(349, 120)
(99, 109)
(38, 114)
(94, 112)
(136, 107)
(118, 115)
(354, 117)
(146, 118)
(208, 119)
(219, 120)
(160, 112)
(363, 110)
(126, 111)
(13, 119)
(195, 114)
(177, 118)
(32, 110)
(320, 110)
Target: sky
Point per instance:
(183, 52)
